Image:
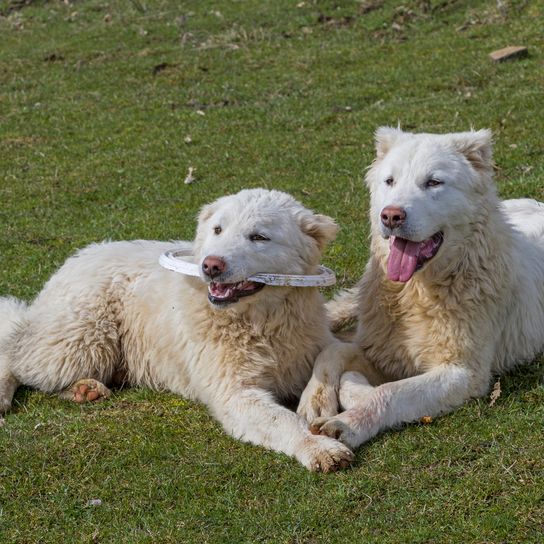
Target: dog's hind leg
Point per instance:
(61, 345)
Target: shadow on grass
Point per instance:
(523, 378)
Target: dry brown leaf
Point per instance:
(496, 393)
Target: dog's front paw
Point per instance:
(318, 400)
(338, 427)
(323, 454)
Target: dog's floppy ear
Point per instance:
(321, 227)
(206, 212)
(476, 146)
(386, 137)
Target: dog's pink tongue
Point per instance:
(402, 259)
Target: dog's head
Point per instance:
(256, 231)
(427, 190)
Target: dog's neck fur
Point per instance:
(267, 316)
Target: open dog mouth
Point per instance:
(406, 257)
(227, 293)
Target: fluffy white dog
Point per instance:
(452, 294)
(237, 346)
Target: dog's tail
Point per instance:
(343, 309)
(12, 312)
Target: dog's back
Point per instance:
(523, 335)
(527, 216)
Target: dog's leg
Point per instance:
(320, 397)
(63, 344)
(354, 389)
(8, 385)
(436, 392)
(12, 312)
(87, 390)
(254, 416)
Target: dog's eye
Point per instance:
(389, 181)
(258, 238)
(433, 182)
(217, 230)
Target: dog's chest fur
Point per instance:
(407, 329)
(274, 348)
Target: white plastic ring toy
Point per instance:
(173, 260)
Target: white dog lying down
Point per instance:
(452, 294)
(237, 346)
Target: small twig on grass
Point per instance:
(189, 178)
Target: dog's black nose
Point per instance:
(213, 266)
(393, 216)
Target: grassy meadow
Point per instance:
(104, 107)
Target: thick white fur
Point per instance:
(111, 308)
(474, 310)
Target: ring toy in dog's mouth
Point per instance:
(174, 260)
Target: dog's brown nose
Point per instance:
(213, 266)
(393, 216)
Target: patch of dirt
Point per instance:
(331, 22)
(158, 68)
(19, 141)
(53, 57)
(202, 106)
(370, 5)
(12, 6)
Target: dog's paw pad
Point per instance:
(87, 390)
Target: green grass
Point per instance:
(96, 99)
